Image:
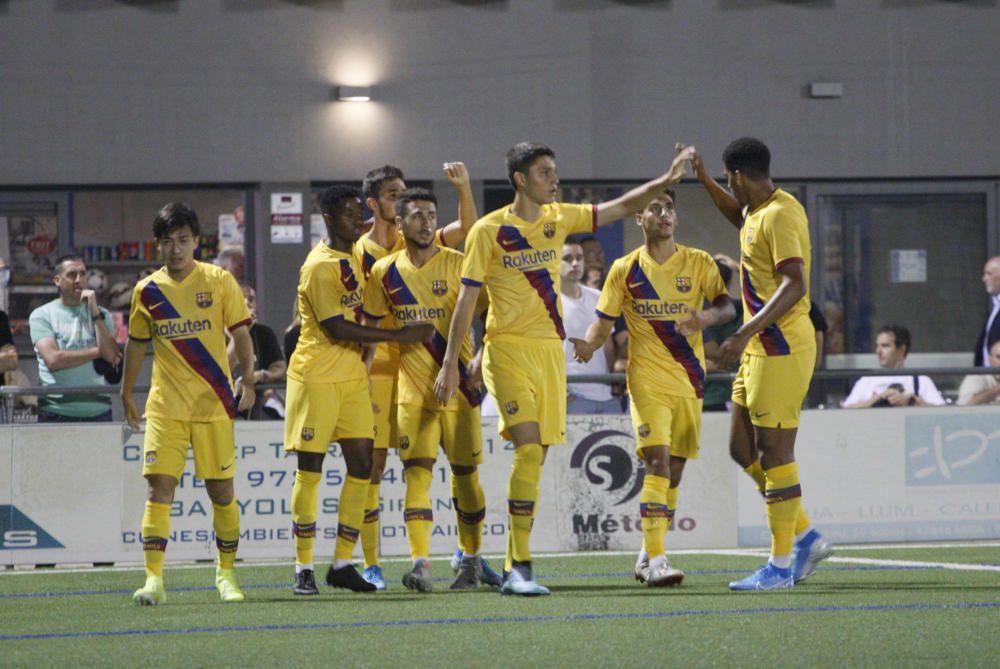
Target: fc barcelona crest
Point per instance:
(307, 434)
(439, 286)
(549, 230)
(644, 430)
(684, 284)
(404, 443)
(511, 407)
(203, 300)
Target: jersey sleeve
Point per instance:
(713, 285)
(782, 234)
(609, 305)
(324, 292)
(376, 306)
(140, 326)
(579, 217)
(39, 326)
(234, 307)
(478, 251)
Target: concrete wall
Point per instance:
(171, 91)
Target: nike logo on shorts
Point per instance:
(227, 466)
(476, 454)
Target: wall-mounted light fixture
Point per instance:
(825, 89)
(351, 93)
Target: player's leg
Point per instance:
(419, 434)
(463, 445)
(383, 397)
(653, 511)
(164, 451)
(214, 446)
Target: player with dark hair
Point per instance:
(328, 397)
(515, 253)
(776, 347)
(183, 308)
(661, 287)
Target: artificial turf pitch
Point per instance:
(910, 606)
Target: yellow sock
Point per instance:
(370, 528)
(654, 512)
(783, 496)
(756, 472)
(470, 508)
(418, 515)
(802, 521)
(672, 494)
(226, 523)
(155, 531)
(522, 495)
(304, 499)
(350, 516)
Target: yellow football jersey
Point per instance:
(426, 294)
(654, 297)
(331, 287)
(518, 262)
(773, 235)
(185, 320)
(367, 252)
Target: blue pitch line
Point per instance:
(553, 577)
(511, 619)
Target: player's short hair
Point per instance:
(413, 195)
(378, 176)
(63, 259)
(725, 271)
(578, 239)
(901, 336)
(174, 216)
(749, 156)
(332, 199)
(672, 193)
(522, 155)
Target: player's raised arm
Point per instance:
(724, 201)
(637, 198)
(461, 320)
(455, 232)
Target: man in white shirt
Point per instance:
(892, 343)
(579, 303)
(991, 329)
(982, 388)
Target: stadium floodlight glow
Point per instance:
(351, 93)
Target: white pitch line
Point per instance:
(955, 566)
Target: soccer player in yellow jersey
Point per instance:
(776, 348)
(381, 188)
(420, 284)
(183, 308)
(662, 287)
(515, 253)
(328, 395)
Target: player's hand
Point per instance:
(457, 174)
(412, 334)
(90, 297)
(131, 411)
(697, 164)
(583, 351)
(247, 394)
(898, 399)
(731, 350)
(475, 369)
(696, 321)
(678, 168)
(446, 383)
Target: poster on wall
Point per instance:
(33, 246)
(286, 218)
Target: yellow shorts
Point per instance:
(384, 397)
(317, 414)
(165, 448)
(772, 388)
(422, 430)
(527, 377)
(660, 419)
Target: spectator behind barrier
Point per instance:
(293, 330)
(269, 362)
(718, 393)
(982, 388)
(892, 344)
(74, 339)
(991, 328)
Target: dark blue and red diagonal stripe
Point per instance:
(541, 281)
(638, 284)
(782, 494)
(771, 337)
(681, 351)
(396, 288)
(347, 276)
(436, 347)
(191, 349)
(511, 239)
(367, 262)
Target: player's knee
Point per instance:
(310, 462)
(529, 455)
(221, 492)
(463, 470)
(161, 488)
(658, 466)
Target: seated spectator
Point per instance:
(892, 344)
(982, 388)
(269, 362)
(74, 339)
(718, 393)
